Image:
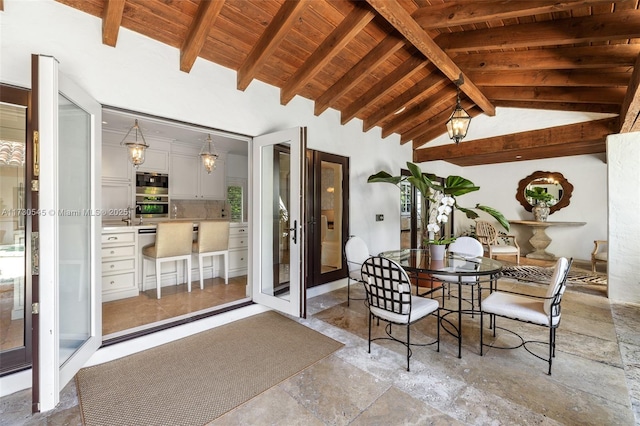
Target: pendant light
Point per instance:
(136, 148)
(208, 155)
(459, 121)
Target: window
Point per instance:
(405, 198)
(234, 198)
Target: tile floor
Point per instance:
(595, 381)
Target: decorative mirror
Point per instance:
(552, 183)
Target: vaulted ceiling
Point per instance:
(394, 64)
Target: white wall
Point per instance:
(623, 156)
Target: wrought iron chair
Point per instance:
(599, 253)
(466, 247)
(539, 310)
(389, 299)
(488, 235)
(356, 252)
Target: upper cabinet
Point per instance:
(155, 160)
(188, 180)
(115, 164)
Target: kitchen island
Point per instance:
(122, 258)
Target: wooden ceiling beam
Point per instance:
(425, 87)
(578, 148)
(111, 21)
(552, 78)
(616, 26)
(359, 72)
(269, 41)
(534, 139)
(207, 13)
(458, 13)
(617, 55)
(402, 21)
(606, 95)
(561, 106)
(384, 86)
(445, 96)
(350, 26)
(630, 112)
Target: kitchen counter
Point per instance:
(118, 226)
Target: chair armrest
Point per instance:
(513, 238)
(596, 246)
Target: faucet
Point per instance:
(128, 219)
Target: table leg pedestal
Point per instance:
(540, 241)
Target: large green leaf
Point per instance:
(496, 215)
(386, 178)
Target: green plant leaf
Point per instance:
(386, 178)
(496, 215)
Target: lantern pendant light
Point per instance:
(208, 155)
(459, 121)
(136, 148)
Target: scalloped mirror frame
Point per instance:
(567, 189)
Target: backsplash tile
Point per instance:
(199, 209)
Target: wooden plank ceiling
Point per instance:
(392, 64)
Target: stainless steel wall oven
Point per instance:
(152, 195)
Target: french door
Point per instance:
(66, 167)
(278, 231)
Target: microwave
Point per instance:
(152, 183)
(152, 195)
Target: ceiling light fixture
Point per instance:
(208, 155)
(136, 149)
(459, 121)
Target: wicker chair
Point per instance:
(487, 234)
(599, 253)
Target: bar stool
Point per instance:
(213, 240)
(173, 243)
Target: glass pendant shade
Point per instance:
(208, 156)
(135, 147)
(458, 124)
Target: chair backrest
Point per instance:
(213, 235)
(486, 233)
(356, 252)
(466, 246)
(557, 285)
(387, 285)
(174, 239)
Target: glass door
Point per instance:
(278, 231)
(15, 292)
(68, 123)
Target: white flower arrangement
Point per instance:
(442, 206)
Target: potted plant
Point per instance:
(442, 198)
(542, 197)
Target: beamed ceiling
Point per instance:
(393, 64)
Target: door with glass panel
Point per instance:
(69, 127)
(15, 284)
(278, 232)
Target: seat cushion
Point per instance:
(517, 307)
(600, 256)
(420, 308)
(503, 249)
(454, 279)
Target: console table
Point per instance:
(540, 240)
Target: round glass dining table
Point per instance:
(453, 269)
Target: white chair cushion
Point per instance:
(420, 308)
(454, 279)
(601, 256)
(503, 249)
(518, 307)
(556, 280)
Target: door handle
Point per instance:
(295, 231)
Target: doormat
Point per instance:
(194, 380)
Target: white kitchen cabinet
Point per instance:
(119, 254)
(115, 163)
(238, 249)
(155, 161)
(117, 195)
(190, 181)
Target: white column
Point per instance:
(623, 155)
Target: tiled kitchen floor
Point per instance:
(596, 376)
